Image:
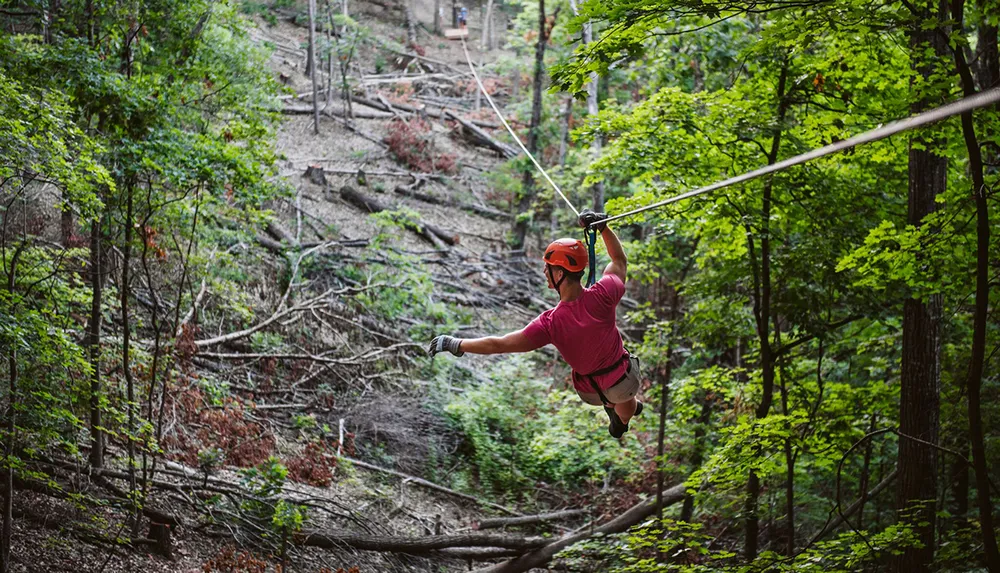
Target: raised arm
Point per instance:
(619, 262)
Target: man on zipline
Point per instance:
(582, 327)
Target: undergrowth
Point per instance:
(521, 434)
(412, 143)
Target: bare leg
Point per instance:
(625, 410)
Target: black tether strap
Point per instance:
(602, 372)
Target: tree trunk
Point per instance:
(762, 313)
(982, 303)
(698, 456)
(411, 24)
(482, 46)
(567, 116)
(437, 16)
(7, 527)
(524, 204)
(313, 67)
(124, 291)
(93, 344)
(597, 191)
(674, 298)
(866, 474)
(921, 354)
(788, 446)
(66, 224)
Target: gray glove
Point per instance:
(588, 218)
(444, 342)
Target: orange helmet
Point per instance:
(569, 254)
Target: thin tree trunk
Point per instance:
(981, 315)
(528, 181)
(866, 474)
(411, 24)
(762, 310)
(94, 345)
(789, 450)
(919, 399)
(8, 452)
(437, 16)
(563, 150)
(482, 47)
(6, 529)
(329, 55)
(698, 455)
(66, 223)
(125, 289)
(597, 191)
(313, 67)
(664, 386)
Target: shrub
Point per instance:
(520, 433)
(412, 143)
(315, 465)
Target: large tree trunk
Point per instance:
(762, 313)
(920, 369)
(524, 204)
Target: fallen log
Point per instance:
(472, 208)
(482, 138)
(417, 545)
(336, 111)
(633, 516)
(434, 235)
(435, 113)
(495, 522)
(280, 233)
(430, 485)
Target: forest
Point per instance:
(231, 229)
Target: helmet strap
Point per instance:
(548, 269)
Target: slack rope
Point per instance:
(944, 112)
(482, 88)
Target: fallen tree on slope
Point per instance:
(633, 516)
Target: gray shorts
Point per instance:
(623, 390)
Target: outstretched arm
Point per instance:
(513, 342)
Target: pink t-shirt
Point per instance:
(584, 332)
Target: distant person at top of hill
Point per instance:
(582, 327)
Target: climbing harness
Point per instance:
(961, 106)
(607, 370)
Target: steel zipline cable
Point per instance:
(496, 110)
(959, 107)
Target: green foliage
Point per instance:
(520, 432)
